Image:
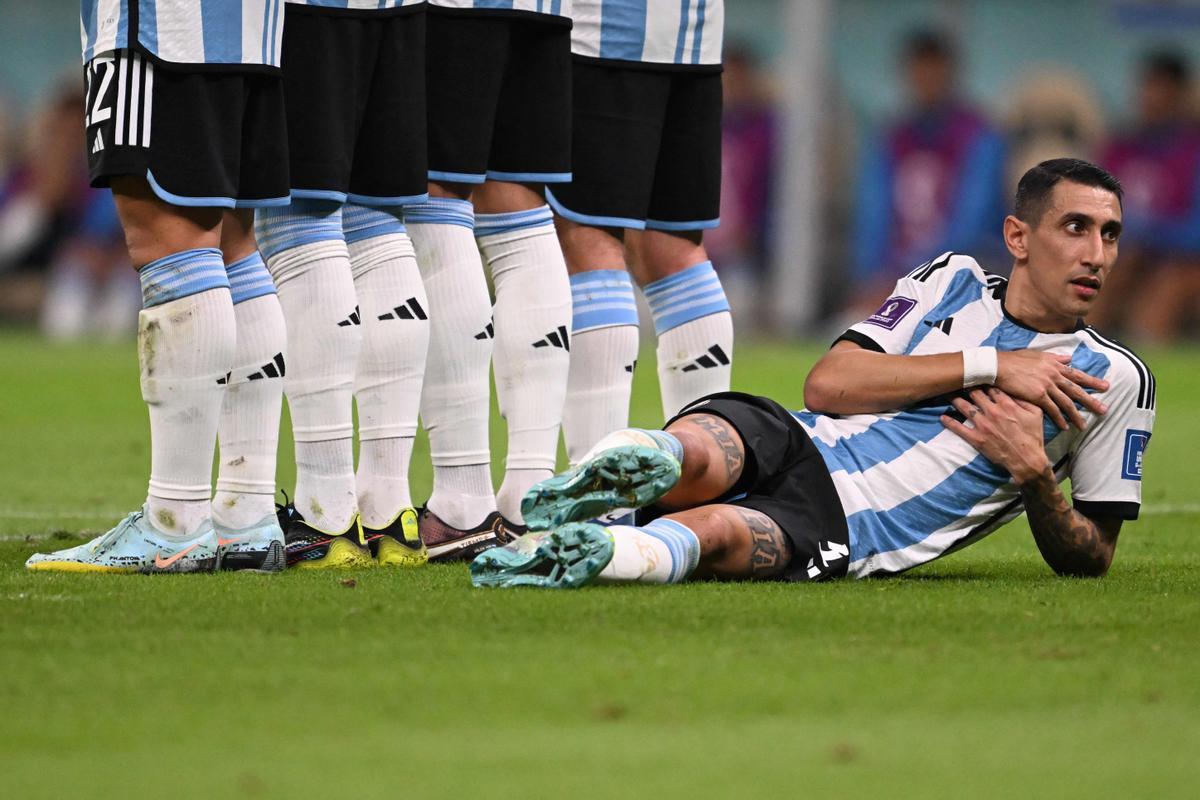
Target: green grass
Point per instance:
(981, 675)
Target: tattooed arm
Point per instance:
(1009, 433)
(1071, 543)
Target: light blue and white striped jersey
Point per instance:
(913, 491)
(553, 8)
(680, 32)
(245, 32)
(359, 5)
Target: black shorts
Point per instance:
(785, 478)
(499, 98)
(646, 149)
(200, 138)
(355, 85)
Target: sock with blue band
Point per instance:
(664, 551)
(695, 335)
(248, 434)
(455, 394)
(186, 341)
(306, 253)
(604, 351)
(391, 364)
(532, 318)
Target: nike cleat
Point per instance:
(452, 544)
(564, 558)
(307, 547)
(398, 543)
(629, 477)
(259, 548)
(134, 545)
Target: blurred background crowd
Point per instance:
(921, 115)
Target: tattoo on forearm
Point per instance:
(770, 550)
(727, 439)
(1071, 543)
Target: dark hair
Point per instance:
(928, 43)
(1033, 192)
(1167, 64)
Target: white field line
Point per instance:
(1149, 510)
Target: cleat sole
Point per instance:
(566, 558)
(273, 559)
(392, 553)
(342, 554)
(623, 477)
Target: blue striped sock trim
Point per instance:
(666, 442)
(509, 221)
(680, 298)
(363, 222)
(182, 275)
(441, 211)
(602, 298)
(303, 222)
(248, 278)
(683, 545)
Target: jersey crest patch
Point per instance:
(891, 312)
(1135, 448)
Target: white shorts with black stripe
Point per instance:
(201, 138)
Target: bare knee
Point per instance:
(155, 229)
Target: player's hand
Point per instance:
(1007, 431)
(1050, 382)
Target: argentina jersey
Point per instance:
(678, 32)
(551, 8)
(245, 32)
(913, 491)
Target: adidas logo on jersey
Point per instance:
(714, 358)
(487, 333)
(559, 338)
(942, 325)
(353, 319)
(410, 310)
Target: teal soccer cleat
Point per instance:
(565, 558)
(259, 548)
(630, 476)
(134, 546)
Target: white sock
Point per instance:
(532, 350)
(660, 440)
(454, 398)
(665, 551)
(248, 434)
(604, 351)
(307, 257)
(695, 335)
(391, 365)
(186, 341)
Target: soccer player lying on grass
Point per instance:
(1003, 392)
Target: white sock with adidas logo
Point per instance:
(695, 335)
(391, 365)
(532, 350)
(454, 398)
(306, 254)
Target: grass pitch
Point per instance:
(981, 675)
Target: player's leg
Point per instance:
(248, 532)
(604, 334)
(532, 316)
(462, 89)
(691, 313)
(391, 368)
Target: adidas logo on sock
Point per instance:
(351, 320)
(631, 367)
(487, 333)
(410, 310)
(942, 325)
(273, 369)
(714, 358)
(98, 145)
(559, 338)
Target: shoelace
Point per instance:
(107, 539)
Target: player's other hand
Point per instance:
(1049, 382)
(1007, 431)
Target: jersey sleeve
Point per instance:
(1106, 467)
(891, 328)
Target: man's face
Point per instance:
(1073, 248)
